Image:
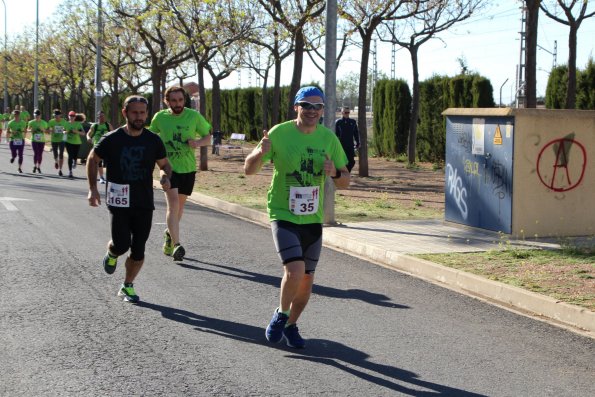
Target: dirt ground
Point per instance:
(387, 180)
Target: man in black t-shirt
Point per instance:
(129, 155)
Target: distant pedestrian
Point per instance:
(38, 128)
(16, 136)
(304, 153)
(4, 119)
(130, 154)
(346, 130)
(95, 133)
(217, 140)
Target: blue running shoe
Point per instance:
(274, 332)
(292, 337)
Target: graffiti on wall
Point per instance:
(561, 164)
(499, 180)
(455, 188)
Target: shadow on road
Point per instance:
(321, 351)
(355, 294)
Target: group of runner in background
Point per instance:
(62, 134)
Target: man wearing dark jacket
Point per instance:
(346, 130)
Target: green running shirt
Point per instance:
(38, 129)
(175, 132)
(57, 129)
(17, 130)
(98, 130)
(298, 161)
(73, 136)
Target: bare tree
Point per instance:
(532, 9)
(278, 45)
(416, 31)
(573, 22)
(163, 46)
(293, 16)
(212, 31)
(366, 17)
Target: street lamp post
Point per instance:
(5, 61)
(36, 85)
(98, 60)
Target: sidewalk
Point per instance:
(391, 244)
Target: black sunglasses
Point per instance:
(135, 99)
(310, 106)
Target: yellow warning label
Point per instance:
(498, 136)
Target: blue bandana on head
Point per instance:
(306, 92)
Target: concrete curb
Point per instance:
(535, 305)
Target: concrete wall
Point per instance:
(554, 173)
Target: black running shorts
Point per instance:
(298, 242)
(183, 182)
(130, 229)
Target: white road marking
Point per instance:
(7, 202)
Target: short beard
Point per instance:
(136, 125)
(174, 110)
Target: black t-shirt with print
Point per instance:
(130, 160)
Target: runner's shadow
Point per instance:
(355, 294)
(322, 351)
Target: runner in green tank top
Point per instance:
(303, 153)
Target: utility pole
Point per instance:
(330, 86)
(98, 85)
(5, 61)
(520, 83)
(36, 83)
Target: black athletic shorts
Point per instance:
(183, 182)
(298, 242)
(130, 229)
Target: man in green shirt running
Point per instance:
(304, 153)
(182, 130)
(95, 133)
(25, 115)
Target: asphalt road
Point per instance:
(199, 329)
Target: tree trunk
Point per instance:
(202, 97)
(216, 104)
(276, 94)
(115, 98)
(156, 77)
(202, 92)
(571, 93)
(265, 103)
(296, 80)
(531, 53)
(361, 104)
(411, 149)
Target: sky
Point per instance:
(489, 42)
